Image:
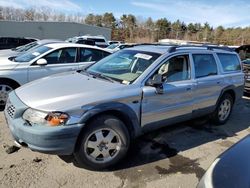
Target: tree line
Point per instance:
(130, 28)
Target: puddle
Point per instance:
(141, 161)
(137, 176)
(183, 165)
(163, 148)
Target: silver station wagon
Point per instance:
(93, 114)
(43, 61)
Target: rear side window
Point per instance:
(65, 55)
(205, 65)
(88, 55)
(96, 40)
(229, 62)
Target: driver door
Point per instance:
(60, 60)
(175, 101)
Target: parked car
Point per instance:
(231, 169)
(115, 42)
(100, 41)
(13, 42)
(116, 47)
(43, 61)
(23, 49)
(95, 113)
(83, 41)
(246, 69)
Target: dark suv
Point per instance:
(13, 42)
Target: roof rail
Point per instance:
(208, 47)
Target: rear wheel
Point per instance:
(223, 110)
(102, 143)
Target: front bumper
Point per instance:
(53, 140)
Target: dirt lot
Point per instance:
(176, 156)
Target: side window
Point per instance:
(104, 54)
(229, 62)
(205, 65)
(87, 55)
(175, 69)
(65, 55)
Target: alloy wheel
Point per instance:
(102, 145)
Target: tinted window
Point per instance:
(205, 65)
(2, 40)
(175, 69)
(24, 41)
(88, 55)
(96, 40)
(229, 62)
(104, 54)
(65, 55)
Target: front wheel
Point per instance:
(102, 143)
(223, 110)
(4, 91)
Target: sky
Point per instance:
(228, 13)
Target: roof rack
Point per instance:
(155, 44)
(208, 47)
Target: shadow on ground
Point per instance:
(1, 108)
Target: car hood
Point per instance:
(6, 64)
(231, 169)
(68, 91)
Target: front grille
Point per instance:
(10, 109)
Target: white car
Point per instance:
(43, 61)
(100, 41)
(116, 47)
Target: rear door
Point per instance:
(208, 83)
(60, 60)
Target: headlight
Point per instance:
(35, 117)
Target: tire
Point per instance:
(103, 143)
(223, 110)
(5, 88)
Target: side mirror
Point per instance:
(41, 62)
(155, 81)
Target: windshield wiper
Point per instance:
(102, 76)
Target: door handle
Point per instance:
(189, 88)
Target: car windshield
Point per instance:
(32, 54)
(26, 47)
(112, 46)
(124, 66)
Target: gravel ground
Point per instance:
(175, 156)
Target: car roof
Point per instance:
(45, 41)
(68, 44)
(89, 36)
(160, 49)
(164, 48)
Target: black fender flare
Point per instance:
(128, 115)
(224, 90)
